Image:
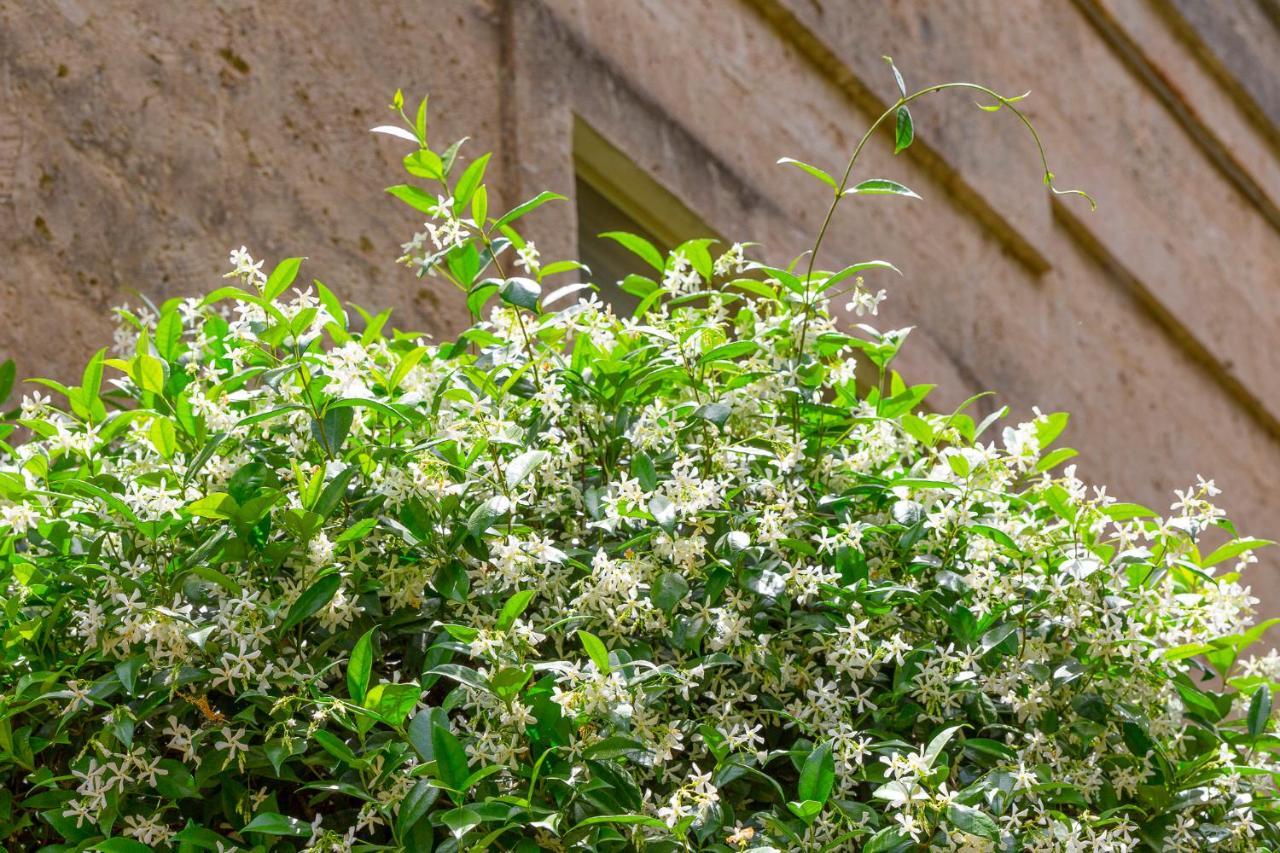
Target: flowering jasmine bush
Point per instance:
(276, 576)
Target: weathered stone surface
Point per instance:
(138, 143)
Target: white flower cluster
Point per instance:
(681, 568)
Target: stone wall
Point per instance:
(140, 141)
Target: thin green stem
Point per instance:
(841, 190)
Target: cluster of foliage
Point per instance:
(706, 577)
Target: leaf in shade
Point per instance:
(521, 292)
(1259, 710)
(316, 596)
(451, 758)
(818, 774)
(271, 823)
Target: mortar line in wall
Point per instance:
(1182, 336)
(842, 76)
(1207, 58)
(1213, 148)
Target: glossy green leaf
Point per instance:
(881, 186)
(812, 170)
(316, 596)
(596, 651)
(904, 130)
(360, 667)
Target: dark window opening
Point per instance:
(614, 194)
(609, 260)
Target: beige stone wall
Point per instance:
(139, 141)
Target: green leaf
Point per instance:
(250, 420)
(461, 674)
(415, 198)
(881, 186)
(201, 838)
(451, 758)
(837, 277)
(582, 826)
(959, 464)
(415, 806)
(942, 738)
(818, 774)
(596, 651)
(334, 491)
(669, 590)
(163, 437)
(420, 120)
(615, 746)
(91, 382)
(1055, 458)
(812, 170)
(419, 731)
(312, 599)
(365, 403)
(451, 154)
(715, 412)
(514, 606)
(642, 469)
(168, 335)
(461, 821)
(8, 372)
(281, 277)
(148, 373)
(1049, 427)
(1234, 549)
(215, 505)
(423, 163)
(639, 246)
(335, 746)
(889, 840)
(484, 516)
(467, 185)
(480, 293)
(972, 821)
(905, 131)
(120, 844)
(407, 362)
(919, 429)
(526, 207)
(729, 351)
(360, 667)
(524, 465)
(1127, 512)
(639, 286)
(1259, 710)
(271, 823)
(393, 702)
(332, 430)
(176, 783)
(806, 810)
(521, 292)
